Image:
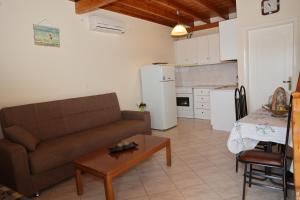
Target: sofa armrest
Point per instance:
(14, 168)
(137, 115)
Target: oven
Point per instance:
(185, 102)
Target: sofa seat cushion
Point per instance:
(57, 152)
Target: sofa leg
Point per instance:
(37, 194)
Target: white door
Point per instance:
(271, 59)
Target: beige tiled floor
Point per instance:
(202, 169)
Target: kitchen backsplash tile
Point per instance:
(219, 74)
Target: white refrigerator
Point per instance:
(158, 92)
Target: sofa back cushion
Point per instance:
(57, 118)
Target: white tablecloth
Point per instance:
(257, 126)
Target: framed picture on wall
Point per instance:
(270, 7)
(46, 36)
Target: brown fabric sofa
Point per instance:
(64, 129)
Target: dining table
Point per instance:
(260, 125)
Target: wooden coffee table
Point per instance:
(102, 164)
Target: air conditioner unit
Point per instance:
(106, 24)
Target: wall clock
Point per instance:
(270, 6)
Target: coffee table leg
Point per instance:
(109, 193)
(78, 181)
(168, 154)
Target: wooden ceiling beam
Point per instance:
(207, 4)
(84, 6)
(153, 9)
(177, 6)
(233, 2)
(123, 9)
(203, 27)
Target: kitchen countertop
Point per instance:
(200, 86)
(218, 87)
(207, 86)
(227, 87)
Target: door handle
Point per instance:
(289, 81)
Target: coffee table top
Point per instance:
(100, 162)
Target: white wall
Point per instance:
(249, 16)
(87, 62)
(219, 74)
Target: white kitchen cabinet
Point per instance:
(202, 113)
(199, 92)
(203, 53)
(222, 109)
(228, 39)
(214, 49)
(198, 51)
(209, 49)
(201, 98)
(201, 103)
(180, 53)
(186, 52)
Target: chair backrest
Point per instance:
(240, 103)
(244, 110)
(237, 96)
(288, 128)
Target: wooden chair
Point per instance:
(237, 96)
(269, 160)
(243, 102)
(240, 103)
(238, 115)
(240, 112)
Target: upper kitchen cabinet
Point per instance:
(198, 51)
(203, 51)
(186, 52)
(228, 39)
(213, 49)
(209, 49)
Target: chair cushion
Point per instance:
(21, 136)
(261, 157)
(56, 152)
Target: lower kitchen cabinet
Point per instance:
(222, 109)
(201, 113)
(201, 103)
